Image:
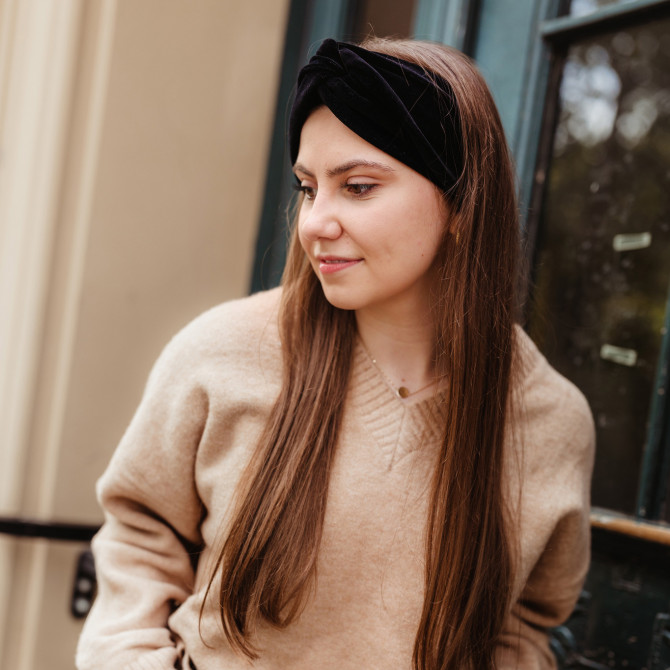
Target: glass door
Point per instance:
(602, 266)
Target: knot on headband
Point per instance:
(389, 102)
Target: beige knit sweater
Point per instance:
(170, 485)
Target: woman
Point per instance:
(371, 467)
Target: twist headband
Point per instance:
(389, 102)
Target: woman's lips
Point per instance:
(331, 264)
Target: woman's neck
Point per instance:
(401, 348)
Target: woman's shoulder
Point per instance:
(550, 404)
(237, 331)
(243, 318)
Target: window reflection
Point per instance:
(590, 91)
(603, 262)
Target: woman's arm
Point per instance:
(548, 598)
(146, 551)
(555, 437)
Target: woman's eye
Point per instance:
(360, 189)
(308, 191)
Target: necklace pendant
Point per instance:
(403, 392)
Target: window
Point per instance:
(599, 305)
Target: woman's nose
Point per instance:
(319, 219)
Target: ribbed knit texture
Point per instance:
(170, 489)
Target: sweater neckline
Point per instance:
(399, 426)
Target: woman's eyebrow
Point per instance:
(299, 167)
(345, 167)
(356, 163)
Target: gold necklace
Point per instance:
(401, 391)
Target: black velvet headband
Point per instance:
(389, 102)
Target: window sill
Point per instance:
(652, 531)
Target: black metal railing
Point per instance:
(49, 530)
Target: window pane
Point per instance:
(381, 18)
(603, 261)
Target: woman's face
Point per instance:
(370, 225)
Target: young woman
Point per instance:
(372, 466)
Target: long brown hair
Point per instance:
(268, 560)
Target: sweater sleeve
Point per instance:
(548, 598)
(555, 488)
(146, 551)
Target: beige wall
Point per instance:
(151, 196)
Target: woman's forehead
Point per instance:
(323, 136)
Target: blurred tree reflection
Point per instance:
(609, 176)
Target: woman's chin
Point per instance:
(343, 299)
(342, 303)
